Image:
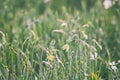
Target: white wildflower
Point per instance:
(107, 4)
(113, 67)
(118, 61)
(112, 63)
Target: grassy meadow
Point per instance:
(59, 40)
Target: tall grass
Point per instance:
(53, 46)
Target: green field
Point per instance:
(59, 40)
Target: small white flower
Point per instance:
(118, 61)
(113, 67)
(107, 4)
(112, 63)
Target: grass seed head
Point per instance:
(66, 47)
(2, 40)
(93, 56)
(84, 35)
(50, 57)
(59, 31)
